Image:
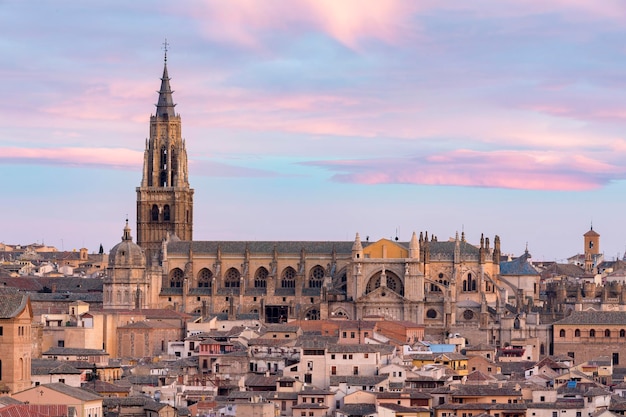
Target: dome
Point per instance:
(126, 253)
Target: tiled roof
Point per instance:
(60, 351)
(106, 387)
(65, 369)
(482, 406)
(78, 393)
(401, 408)
(358, 409)
(261, 381)
(595, 317)
(12, 303)
(518, 266)
(33, 410)
(239, 247)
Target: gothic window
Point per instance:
(607, 333)
(562, 333)
(393, 283)
(205, 278)
(176, 278)
(469, 284)
(316, 277)
(468, 314)
(431, 314)
(592, 333)
(441, 280)
(163, 162)
(260, 278)
(312, 314)
(288, 279)
(155, 213)
(173, 166)
(163, 179)
(577, 333)
(166, 213)
(231, 279)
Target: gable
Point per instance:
(385, 249)
(381, 295)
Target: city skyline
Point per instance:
(313, 120)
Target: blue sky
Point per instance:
(318, 119)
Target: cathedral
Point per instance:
(446, 284)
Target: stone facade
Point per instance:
(448, 286)
(602, 333)
(15, 341)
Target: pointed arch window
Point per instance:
(288, 279)
(260, 278)
(562, 333)
(622, 333)
(154, 213)
(607, 333)
(592, 333)
(231, 279)
(166, 213)
(312, 314)
(316, 277)
(441, 280)
(173, 166)
(577, 333)
(469, 283)
(176, 278)
(205, 278)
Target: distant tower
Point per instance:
(164, 199)
(592, 242)
(592, 249)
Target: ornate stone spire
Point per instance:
(414, 247)
(165, 106)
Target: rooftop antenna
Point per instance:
(396, 234)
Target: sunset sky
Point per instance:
(318, 119)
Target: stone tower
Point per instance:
(592, 249)
(164, 199)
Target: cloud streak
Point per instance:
(528, 170)
(117, 158)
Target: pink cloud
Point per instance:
(347, 21)
(525, 170)
(77, 157)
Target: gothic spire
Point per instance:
(165, 106)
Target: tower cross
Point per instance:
(165, 45)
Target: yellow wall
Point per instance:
(385, 248)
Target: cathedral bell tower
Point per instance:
(164, 199)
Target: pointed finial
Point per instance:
(165, 45)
